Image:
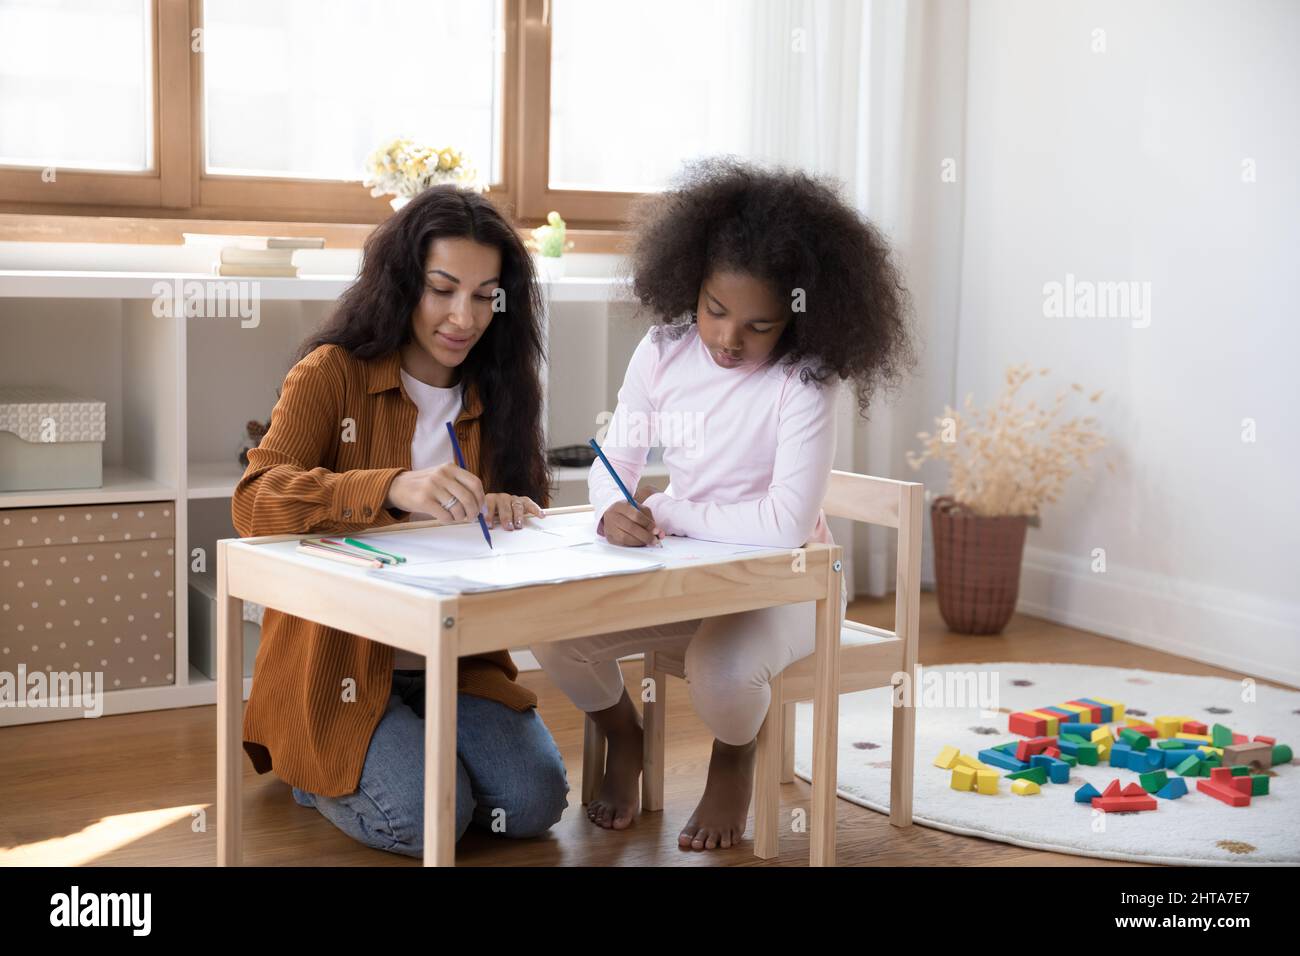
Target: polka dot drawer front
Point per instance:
(90, 588)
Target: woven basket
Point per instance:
(976, 566)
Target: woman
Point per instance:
(441, 325)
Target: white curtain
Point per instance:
(873, 94)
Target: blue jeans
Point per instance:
(510, 777)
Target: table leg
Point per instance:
(826, 714)
(767, 772)
(230, 700)
(440, 746)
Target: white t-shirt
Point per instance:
(430, 447)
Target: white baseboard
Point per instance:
(1246, 633)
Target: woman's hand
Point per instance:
(630, 527)
(510, 510)
(447, 492)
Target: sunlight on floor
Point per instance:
(99, 838)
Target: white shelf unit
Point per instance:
(180, 390)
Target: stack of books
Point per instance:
(253, 255)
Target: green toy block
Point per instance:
(1134, 739)
(1220, 736)
(1281, 754)
(1258, 785)
(1153, 781)
(1191, 767)
(1071, 759)
(1075, 739)
(1087, 755)
(1008, 748)
(1170, 743)
(1241, 770)
(1036, 774)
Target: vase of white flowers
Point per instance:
(404, 169)
(1004, 464)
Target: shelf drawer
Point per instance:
(90, 588)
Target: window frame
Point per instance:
(177, 187)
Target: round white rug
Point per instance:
(1195, 829)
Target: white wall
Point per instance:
(1127, 165)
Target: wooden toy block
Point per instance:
(1168, 726)
(1112, 789)
(1105, 714)
(1099, 734)
(1175, 788)
(1220, 736)
(1239, 770)
(1000, 760)
(1173, 758)
(1028, 725)
(1194, 727)
(1229, 795)
(1070, 760)
(1239, 738)
(1024, 787)
(966, 760)
(1281, 754)
(1084, 730)
(1215, 752)
(1035, 745)
(1147, 760)
(1242, 784)
(1154, 780)
(1146, 730)
(1261, 739)
(1052, 723)
(1174, 743)
(1057, 770)
(1009, 747)
(1119, 754)
(1124, 804)
(1259, 785)
(1036, 774)
(1052, 752)
(986, 781)
(947, 757)
(1191, 767)
(1093, 711)
(1073, 738)
(1136, 740)
(963, 778)
(1116, 708)
(1258, 756)
(1087, 755)
(1081, 711)
(1085, 794)
(1132, 790)
(1199, 738)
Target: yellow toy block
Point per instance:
(1116, 708)
(1103, 749)
(1053, 722)
(947, 757)
(1211, 750)
(963, 778)
(1024, 787)
(1204, 738)
(1168, 726)
(966, 760)
(986, 781)
(1078, 709)
(1102, 735)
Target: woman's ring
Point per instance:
(451, 502)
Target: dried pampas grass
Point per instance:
(1010, 459)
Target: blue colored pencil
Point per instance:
(460, 460)
(613, 474)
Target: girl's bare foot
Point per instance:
(719, 820)
(619, 799)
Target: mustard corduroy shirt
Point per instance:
(340, 432)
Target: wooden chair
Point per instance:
(869, 657)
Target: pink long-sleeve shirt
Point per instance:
(749, 450)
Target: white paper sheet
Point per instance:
(502, 571)
(461, 541)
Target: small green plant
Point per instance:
(548, 240)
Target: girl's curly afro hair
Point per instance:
(794, 231)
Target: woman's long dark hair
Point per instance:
(373, 318)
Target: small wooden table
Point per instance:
(269, 571)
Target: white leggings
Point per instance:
(729, 661)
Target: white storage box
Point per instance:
(50, 438)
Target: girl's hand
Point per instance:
(510, 510)
(630, 527)
(644, 492)
(432, 490)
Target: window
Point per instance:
(76, 90)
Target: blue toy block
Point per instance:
(1067, 716)
(1119, 754)
(1084, 730)
(996, 758)
(1008, 748)
(1058, 771)
(1174, 757)
(1107, 712)
(1085, 794)
(1175, 788)
(1067, 747)
(1147, 759)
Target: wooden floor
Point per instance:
(134, 789)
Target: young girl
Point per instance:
(358, 439)
(770, 290)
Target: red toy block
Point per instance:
(1052, 752)
(1133, 790)
(1194, 727)
(1124, 804)
(1146, 730)
(1029, 748)
(1261, 739)
(1229, 795)
(1240, 739)
(1242, 784)
(1026, 725)
(1112, 790)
